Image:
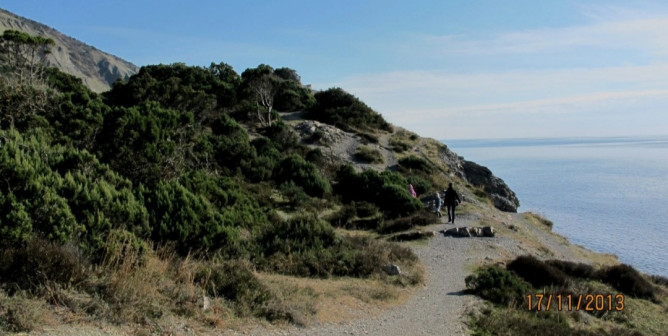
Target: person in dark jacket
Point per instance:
(451, 201)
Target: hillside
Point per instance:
(97, 69)
(195, 200)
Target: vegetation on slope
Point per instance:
(128, 205)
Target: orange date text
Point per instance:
(575, 302)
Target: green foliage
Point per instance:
(234, 281)
(40, 262)
(201, 91)
(414, 163)
(573, 269)
(307, 246)
(304, 174)
(537, 272)
(341, 109)
(388, 190)
(78, 112)
(497, 285)
(369, 155)
(421, 185)
(303, 245)
(200, 212)
(62, 193)
(295, 194)
(23, 56)
(629, 281)
(421, 218)
(23, 107)
(292, 96)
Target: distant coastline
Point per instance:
(557, 141)
(607, 194)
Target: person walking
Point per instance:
(451, 201)
(439, 203)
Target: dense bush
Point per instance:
(629, 281)
(61, 193)
(420, 184)
(40, 263)
(305, 246)
(234, 280)
(573, 269)
(341, 109)
(537, 272)
(202, 212)
(497, 285)
(388, 190)
(185, 88)
(304, 174)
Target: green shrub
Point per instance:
(365, 209)
(414, 163)
(388, 190)
(497, 285)
(235, 281)
(537, 272)
(421, 185)
(573, 269)
(295, 194)
(421, 218)
(399, 146)
(304, 174)
(40, 263)
(339, 108)
(629, 281)
(202, 211)
(369, 155)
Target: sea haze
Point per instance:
(607, 194)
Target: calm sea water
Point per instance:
(607, 194)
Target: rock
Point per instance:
(488, 231)
(463, 232)
(480, 176)
(391, 269)
(452, 232)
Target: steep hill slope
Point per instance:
(97, 69)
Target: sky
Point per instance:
(455, 69)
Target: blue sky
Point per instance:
(444, 69)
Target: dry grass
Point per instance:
(334, 300)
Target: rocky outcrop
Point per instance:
(502, 196)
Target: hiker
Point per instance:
(439, 203)
(451, 201)
(412, 191)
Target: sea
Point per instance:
(607, 194)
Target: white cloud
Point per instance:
(593, 77)
(649, 33)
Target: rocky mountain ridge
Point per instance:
(97, 69)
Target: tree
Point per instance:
(25, 54)
(261, 85)
(288, 74)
